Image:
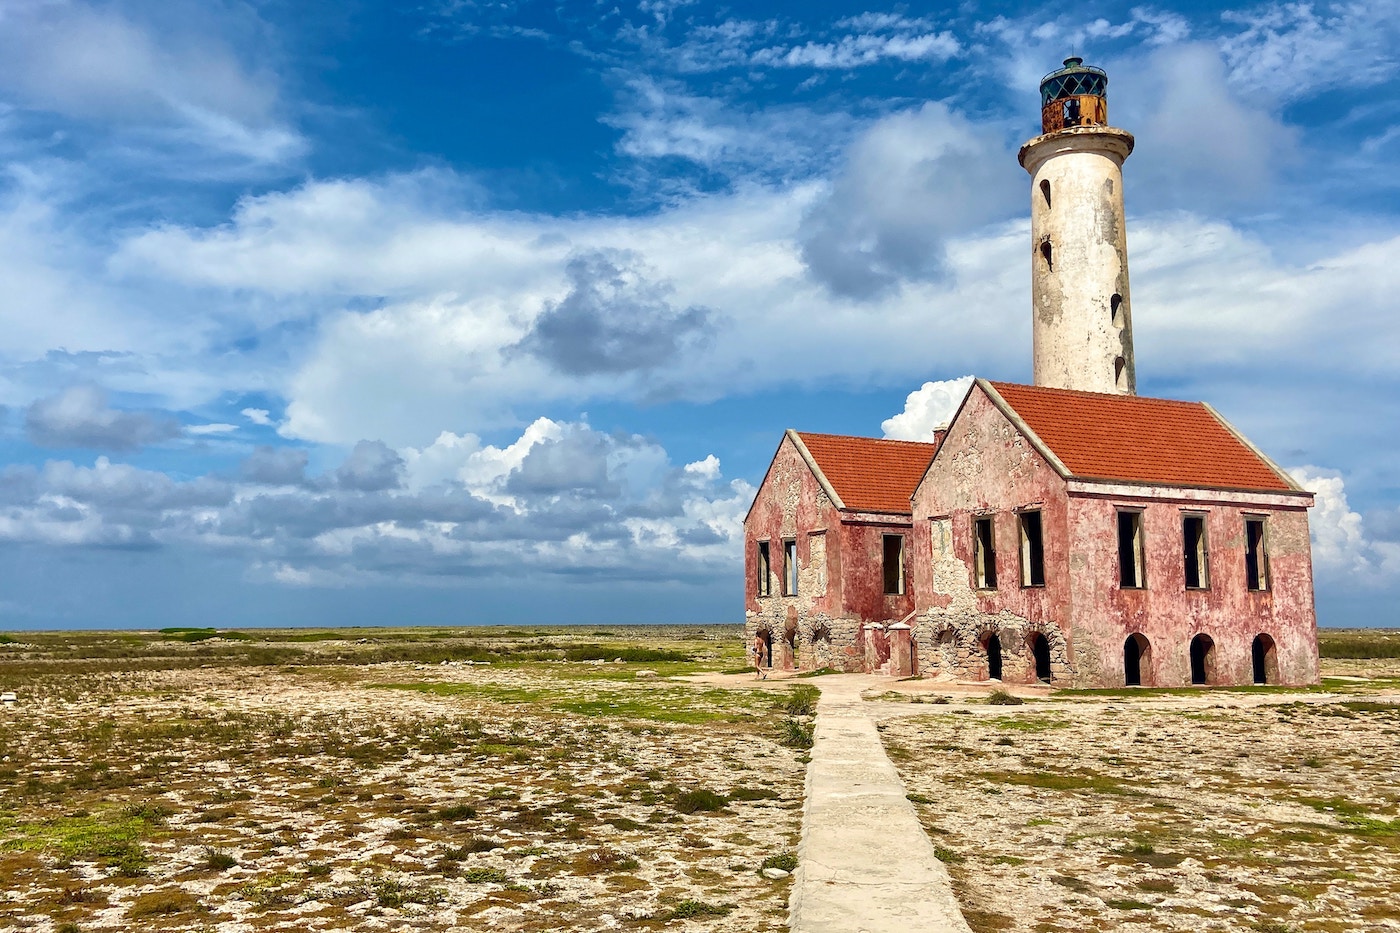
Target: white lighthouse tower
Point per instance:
(1083, 322)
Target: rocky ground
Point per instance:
(1206, 811)
(548, 795)
(423, 780)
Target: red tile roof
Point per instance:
(870, 474)
(1142, 440)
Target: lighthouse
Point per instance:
(1082, 329)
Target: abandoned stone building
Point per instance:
(1068, 531)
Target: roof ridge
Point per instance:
(863, 437)
(1097, 395)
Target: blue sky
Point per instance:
(455, 312)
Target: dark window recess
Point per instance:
(984, 554)
(1048, 253)
(1264, 658)
(789, 568)
(1120, 372)
(1115, 304)
(1136, 656)
(1193, 545)
(894, 565)
(1256, 556)
(1045, 190)
(765, 570)
(1040, 650)
(1202, 659)
(994, 658)
(1032, 550)
(1130, 576)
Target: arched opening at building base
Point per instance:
(1137, 661)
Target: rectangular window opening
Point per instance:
(1032, 550)
(1194, 554)
(894, 565)
(1130, 575)
(984, 554)
(1256, 554)
(765, 570)
(789, 568)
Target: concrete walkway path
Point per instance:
(865, 864)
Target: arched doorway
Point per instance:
(1265, 657)
(993, 646)
(1137, 658)
(1202, 659)
(1040, 650)
(766, 652)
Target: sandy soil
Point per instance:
(1225, 811)
(462, 797)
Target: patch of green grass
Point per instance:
(1000, 697)
(217, 859)
(1358, 643)
(484, 876)
(687, 910)
(1145, 852)
(699, 800)
(597, 861)
(1371, 706)
(629, 653)
(797, 734)
(394, 893)
(110, 837)
(801, 701)
(1082, 782)
(1122, 903)
(786, 861)
(1029, 723)
(947, 855)
(163, 903)
(753, 793)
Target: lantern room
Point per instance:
(1075, 95)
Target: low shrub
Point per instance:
(217, 859)
(1000, 697)
(786, 861)
(802, 701)
(797, 734)
(596, 861)
(688, 909)
(698, 800)
(484, 876)
(163, 903)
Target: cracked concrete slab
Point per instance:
(865, 864)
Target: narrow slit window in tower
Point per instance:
(1047, 252)
(765, 570)
(1120, 373)
(1130, 576)
(1032, 550)
(1115, 305)
(984, 555)
(1045, 190)
(1194, 554)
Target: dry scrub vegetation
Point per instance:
(391, 779)
(1255, 810)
